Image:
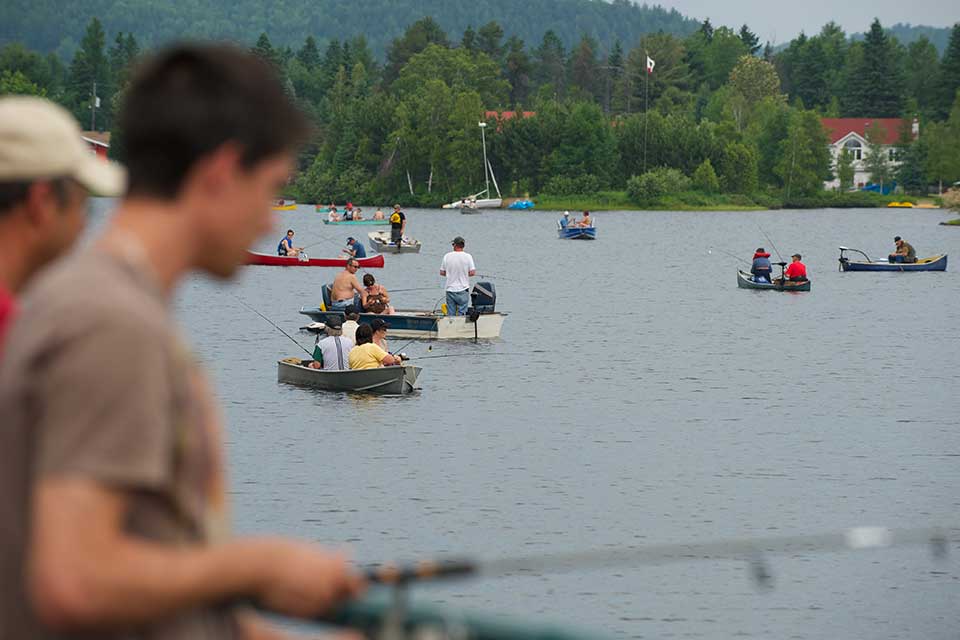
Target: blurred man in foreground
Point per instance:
(46, 175)
(113, 514)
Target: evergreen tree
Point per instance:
(924, 83)
(705, 178)
(949, 74)
(844, 169)
(613, 78)
(911, 174)
(584, 70)
(488, 40)
(518, 71)
(89, 66)
(415, 39)
(875, 81)
(469, 39)
(264, 49)
(749, 39)
(551, 63)
(309, 55)
(706, 30)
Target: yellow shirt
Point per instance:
(366, 356)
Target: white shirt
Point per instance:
(336, 352)
(458, 265)
(349, 330)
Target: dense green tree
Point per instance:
(585, 70)
(738, 168)
(911, 173)
(804, 161)
(922, 85)
(90, 67)
(844, 169)
(14, 82)
(715, 58)
(943, 139)
(949, 74)
(671, 70)
(749, 39)
(418, 36)
(46, 72)
(309, 54)
(874, 80)
(551, 63)
(705, 178)
(519, 69)
(613, 74)
(469, 39)
(458, 69)
(489, 40)
(755, 79)
(264, 49)
(877, 158)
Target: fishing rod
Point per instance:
(238, 299)
(771, 243)
(735, 257)
(466, 355)
(751, 550)
(493, 277)
(414, 289)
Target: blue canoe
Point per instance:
(933, 263)
(576, 233)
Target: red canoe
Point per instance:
(265, 259)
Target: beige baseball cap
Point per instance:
(39, 139)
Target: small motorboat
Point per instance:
(470, 207)
(746, 281)
(573, 232)
(272, 260)
(380, 242)
(394, 380)
(933, 263)
(284, 204)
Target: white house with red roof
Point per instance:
(851, 134)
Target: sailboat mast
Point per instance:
(486, 174)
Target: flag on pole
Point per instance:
(650, 64)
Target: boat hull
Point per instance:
(424, 325)
(484, 203)
(268, 260)
(382, 380)
(285, 207)
(933, 263)
(577, 233)
(744, 282)
(359, 222)
(380, 242)
(469, 210)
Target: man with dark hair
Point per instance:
(458, 267)
(46, 174)
(113, 500)
(286, 248)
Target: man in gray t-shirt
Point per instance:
(334, 350)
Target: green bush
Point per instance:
(705, 178)
(586, 184)
(657, 183)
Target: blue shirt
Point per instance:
(358, 250)
(284, 245)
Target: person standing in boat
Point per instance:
(333, 352)
(46, 176)
(355, 249)
(796, 270)
(286, 248)
(113, 494)
(761, 266)
(904, 253)
(458, 267)
(344, 285)
(398, 225)
(367, 354)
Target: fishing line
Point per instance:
(493, 277)
(238, 299)
(770, 241)
(735, 257)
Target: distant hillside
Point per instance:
(907, 33)
(54, 25)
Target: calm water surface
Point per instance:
(663, 405)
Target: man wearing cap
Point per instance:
(796, 270)
(398, 225)
(458, 267)
(350, 317)
(113, 499)
(355, 249)
(379, 327)
(46, 174)
(904, 253)
(333, 352)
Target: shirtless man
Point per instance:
(344, 286)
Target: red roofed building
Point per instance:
(98, 142)
(502, 116)
(851, 134)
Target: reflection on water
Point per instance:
(662, 404)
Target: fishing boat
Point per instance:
(470, 208)
(476, 199)
(933, 263)
(284, 204)
(380, 242)
(394, 380)
(746, 281)
(573, 232)
(349, 222)
(271, 260)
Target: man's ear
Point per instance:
(41, 205)
(216, 172)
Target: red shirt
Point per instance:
(8, 307)
(796, 270)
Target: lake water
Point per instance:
(640, 398)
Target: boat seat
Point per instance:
(328, 299)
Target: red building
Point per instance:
(98, 142)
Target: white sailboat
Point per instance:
(476, 201)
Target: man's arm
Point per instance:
(86, 572)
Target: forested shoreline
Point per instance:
(720, 119)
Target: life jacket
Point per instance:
(761, 262)
(394, 218)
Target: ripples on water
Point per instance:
(666, 405)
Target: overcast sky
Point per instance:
(780, 21)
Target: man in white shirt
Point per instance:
(333, 351)
(350, 325)
(458, 266)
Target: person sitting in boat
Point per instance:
(796, 270)
(347, 214)
(378, 215)
(345, 285)
(286, 248)
(333, 352)
(351, 317)
(761, 266)
(904, 253)
(565, 220)
(357, 214)
(333, 216)
(379, 327)
(355, 249)
(585, 221)
(367, 354)
(378, 300)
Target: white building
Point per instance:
(851, 134)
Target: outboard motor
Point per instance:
(483, 298)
